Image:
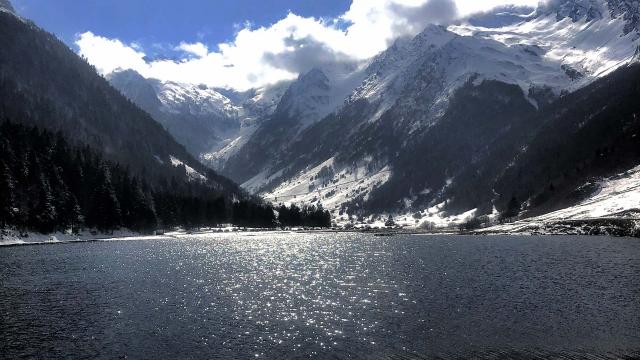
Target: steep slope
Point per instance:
(446, 111)
(587, 39)
(210, 124)
(306, 101)
(195, 115)
(43, 83)
(587, 135)
(406, 93)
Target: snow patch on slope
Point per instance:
(251, 108)
(193, 174)
(329, 184)
(196, 100)
(10, 237)
(593, 48)
(617, 197)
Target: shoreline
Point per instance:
(375, 233)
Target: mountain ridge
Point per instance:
(374, 136)
(401, 102)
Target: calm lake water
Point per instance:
(277, 296)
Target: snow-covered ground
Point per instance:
(618, 197)
(12, 237)
(433, 219)
(328, 184)
(332, 185)
(615, 195)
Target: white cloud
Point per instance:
(294, 44)
(198, 49)
(108, 55)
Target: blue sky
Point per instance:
(237, 44)
(170, 21)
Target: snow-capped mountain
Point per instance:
(318, 92)
(307, 100)
(428, 108)
(589, 10)
(196, 100)
(210, 125)
(586, 41)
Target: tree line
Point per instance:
(48, 185)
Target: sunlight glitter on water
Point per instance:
(350, 295)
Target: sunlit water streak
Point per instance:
(305, 295)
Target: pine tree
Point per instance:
(7, 189)
(105, 210)
(44, 213)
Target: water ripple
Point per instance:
(315, 295)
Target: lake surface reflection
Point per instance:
(323, 295)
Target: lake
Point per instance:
(287, 295)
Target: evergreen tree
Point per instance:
(6, 195)
(48, 185)
(512, 210)
(105, 210)
(44, 211)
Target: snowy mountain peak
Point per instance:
(174, 97)
(317, 93)
(194, 99)
(135, 87)
(314, 78)
(126, 74)
(306, 97)
(576, 10)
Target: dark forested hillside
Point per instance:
(48, 185)
(43, 83)
(497, 149)
(477, 117)
(75, 153)
(592, 133)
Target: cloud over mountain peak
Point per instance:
(280, 51)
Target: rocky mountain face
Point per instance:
(430, 123)
(439, 115)
(629, 10)
(306, 101)
(585, 136)
(209, 124)
(589, 10)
